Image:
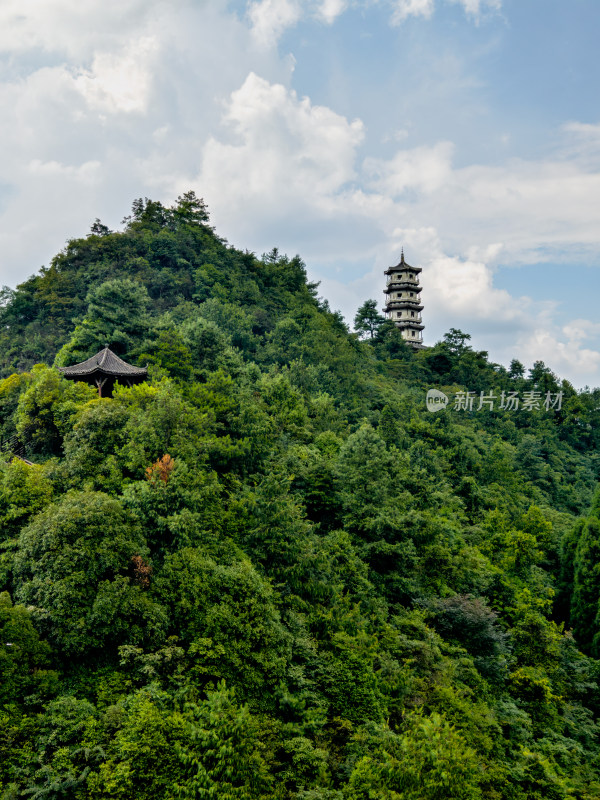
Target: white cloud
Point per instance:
(462, 287)
(72, 27)
(330, 10)
(84, 173)
(564, 354)
(36, 109)
(120, 81)
(270, 18)
(425, 169)
(402, 9)
(580, 329)
(465, 288)
(287, 155)
(524, 205)
(474, 7)
(584, 131)
(295, 164)
(33, 214)
(490, 215)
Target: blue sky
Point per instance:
(467, 131)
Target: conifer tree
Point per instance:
(368, 320)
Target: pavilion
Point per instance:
(103, 370)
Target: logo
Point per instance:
(464, 400)
(436, 400)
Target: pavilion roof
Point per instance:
(105, 362)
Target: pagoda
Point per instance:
(403, 301)
(103, 370)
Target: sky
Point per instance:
(465, 131)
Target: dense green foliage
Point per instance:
(269, 572)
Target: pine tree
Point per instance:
(368, 319)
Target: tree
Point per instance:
(430, 761)
(232, 320)
(470, 622)
(93, 445)
(222, 756)
(456, 341)
(435, 762)
(99, 229)
(22, 654)
(74, 565)
(226, 616)
(585, 614)
(190, 210)
(388, 427)
(516, 369)
(368, 320)
(543, 378)
(46, 407)
(24, 490)
(365, 473)
(208, 345)
(391, 343)
(283, 514)
(169, 351)
(210, 750)
(144, 761)
(117, 317)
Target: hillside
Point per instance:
(269, 572)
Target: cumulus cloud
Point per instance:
(566, 354)
(70, 27)
(526, 205)
(425, 169)
(120, 81)
(270, 18)
(286, 155)
(85, 173)
(461, 287)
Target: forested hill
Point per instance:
(269, 572)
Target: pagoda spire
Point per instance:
(403, 301)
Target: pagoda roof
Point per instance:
(105, 362)
(402, 264)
